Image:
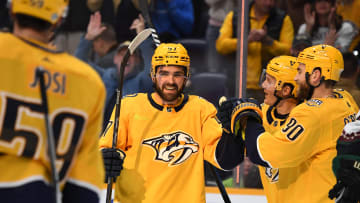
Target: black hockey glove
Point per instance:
(224, 112)
(347, 188)
(113, 161)
(245, 108)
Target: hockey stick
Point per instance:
(219, 184)
(144, 8)
(50, 141)
(142, 36)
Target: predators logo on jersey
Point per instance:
(167, 144)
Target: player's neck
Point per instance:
(322, 92)
(285, 106)
(30, 34)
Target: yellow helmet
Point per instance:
(48, 10)
(283, 69)
(170, 54)
(326, 57)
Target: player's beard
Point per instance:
(303, 91)
(168, 97)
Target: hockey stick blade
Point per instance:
(139, 39)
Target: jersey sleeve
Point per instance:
(293, 143)
(220, 148)
(106, 139)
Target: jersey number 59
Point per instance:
(22, 130)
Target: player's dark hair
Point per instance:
(329, 83)
(350, 65)
(25, 21)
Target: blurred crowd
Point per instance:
(97, 31)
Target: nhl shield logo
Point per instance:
(167, 144)
(272, 174)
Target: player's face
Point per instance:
(169, 83)
(303, 88)
(269, 89)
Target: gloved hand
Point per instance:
(347, 188)
(113, 161)
(246, 107)
(224, 112)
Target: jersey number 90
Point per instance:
(293, 129)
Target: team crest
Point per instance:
(272, 174)
(174, 148)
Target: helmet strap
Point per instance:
(278, 99)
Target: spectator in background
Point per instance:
(349, 75)
(349, 10)
(126, 11)
(271, 34)
(217, 13)
(75, 24)
(173, 19)
(300, 42)
(135, 80)
(104, 46)
(4, 16)
(324, 26)
(295, 9)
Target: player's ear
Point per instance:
(286, 91)
(315, 77)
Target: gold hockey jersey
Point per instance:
(303, 149)
(165, 149)
(272, 122)
(75, 98)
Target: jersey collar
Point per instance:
(272, 114)
(177, 107)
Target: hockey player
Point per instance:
(346, 165)
(75, 97)
(280, 98)
(305, 145)
(166, 136)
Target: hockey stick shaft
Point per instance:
(142, 36)
(144, 8)
(146, 14)
(221, 186)
(50, 141)
(117, 116)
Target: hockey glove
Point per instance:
(113, 161)
(224, 112)
(242, 111)
(347, 187)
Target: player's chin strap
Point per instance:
(278, 99)
(307, 77)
